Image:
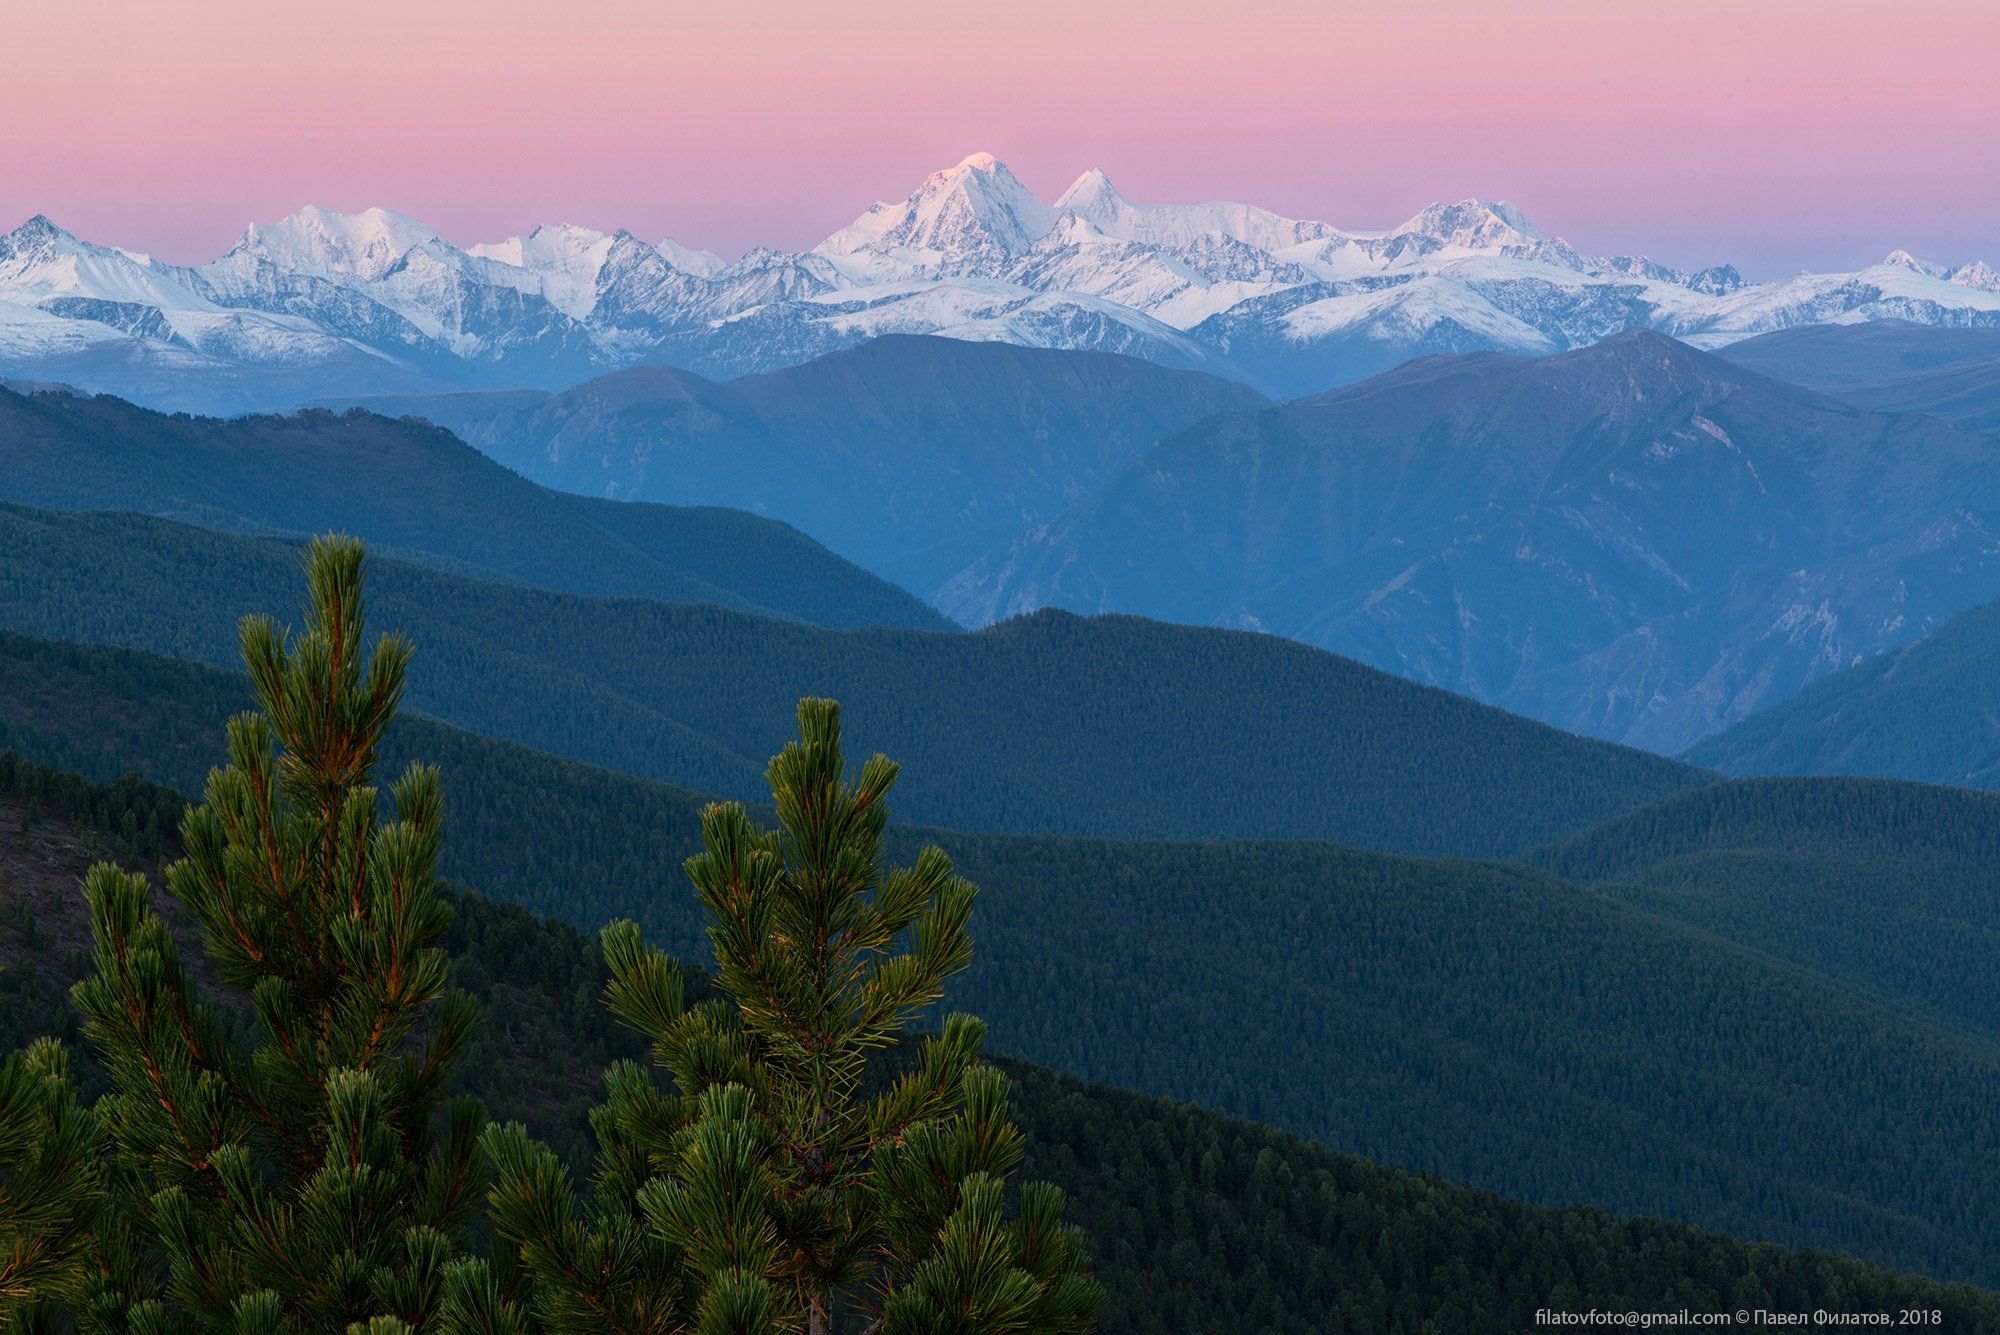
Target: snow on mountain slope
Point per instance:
(974, 213)
(1977, 274)
(1094, 199)
(1886, 291)
(988, 311)
(701, 263)
(566, 259)
(361, 246)
(1413, 314)
(66, 298)
(571, 261)
(40, 261)
(1291, 306)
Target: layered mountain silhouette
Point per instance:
(1929, 710)
(324, 303)
(1491, 1023)
(1888, 366)
(908, 454)
(411, 488)
(1114, 727)
(1635, 540)
(1842, 357)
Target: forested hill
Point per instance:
(1198, 1223)
(1111, 726)
(1887, 886)
(411, 487)
(1928, 711)
(1491, 1023)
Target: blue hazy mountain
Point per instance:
(412, 488)
(1635, 540)
(1929, 710)
(909, 455)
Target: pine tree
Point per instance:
(311, 1180)
(50, 1184)
(790, 1180)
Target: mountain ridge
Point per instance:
(1483, 1021)
(323, 304)
(908, 454)
(429, 495)
(1633, 540)
(1050, 724)
(1925, 711)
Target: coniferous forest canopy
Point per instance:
(1112, 727)
(1572, 1018)
(1198, 1222)
(1045, 764)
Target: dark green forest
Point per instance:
(1051, 724)
(1928, 711)
(1488, 1022)
(1198, 1222)
(1888, 887)
(429, 497)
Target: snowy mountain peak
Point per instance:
(38, 230)
(564, 257)
(34, 243)
(700, 263)
(1071, 229)
(358, 246)
(539, 247)
(975, 211)
(1718, 280)
(337, 302)
(1903, 259)
(1092, 194)
(1977, 274)
(1474, 224)
(41, 262)
(1093, 198)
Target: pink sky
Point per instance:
(1778, 134)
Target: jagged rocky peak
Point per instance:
(1903, 259)
(361, 246)
(1717, 280)
(1095, 199)
(1977, 274)
(974, 210)
(39, 231)
(688, 259)
(1474, 224)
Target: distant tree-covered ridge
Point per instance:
(428, 496)
(1929, 711)
(1489, 1022)
(1197, 1223)
(1057, 724)
(1884, 885)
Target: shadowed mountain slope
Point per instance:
(1050, 724)
(414, 489)
(1634, 541)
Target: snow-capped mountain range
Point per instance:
(324, 303)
